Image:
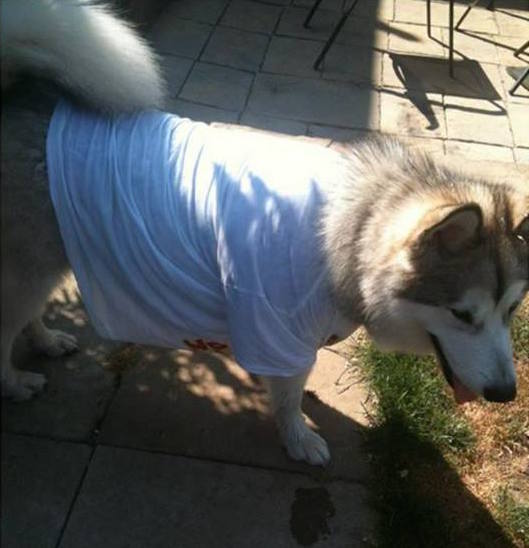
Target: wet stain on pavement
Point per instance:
(309, 514)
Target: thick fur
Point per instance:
(84, 48)
(412, 247)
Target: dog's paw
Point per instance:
(23, 386)
(302, 443)
(55, 343)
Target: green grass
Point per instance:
(417, 439)
(410, 390)
(514, 515)
(520, 333)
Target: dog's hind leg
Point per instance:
(51, 342)
(22, 300)
(16, 384)
(33, 256)
(300, 441)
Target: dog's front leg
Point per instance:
(300, 441)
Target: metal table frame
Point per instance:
(525, 73)
(349, 10)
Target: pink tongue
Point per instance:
(461, 393)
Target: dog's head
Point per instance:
(453, 281)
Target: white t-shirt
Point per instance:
(180, 234)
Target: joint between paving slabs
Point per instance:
(75, 496)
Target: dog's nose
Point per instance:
(500, 393)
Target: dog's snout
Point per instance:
(500, 393)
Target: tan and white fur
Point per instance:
(425, 257)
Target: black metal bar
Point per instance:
(429, 17)
(473, 4)
(311, 13)
(521, 49)
(333, 36)
(451, 39)
(520, 81)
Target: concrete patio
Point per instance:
(143, 447)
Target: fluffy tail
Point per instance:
(84, 48)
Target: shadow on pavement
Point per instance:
(204, 406)
(429, 74)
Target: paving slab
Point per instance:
(175, 71)
(412, 113)
(359, 65)
(265, 133)
(252, 16)
(522, 155)
(335, 133)
(407, 38)
(506, 46)
(479, 20)
(205, 11)
(204, 405)
(414, 11)
(332, 103)
(175, 36)
(201, 113)
(416, 72)
(501, 172)
(79, 387)
(235, 48)
(365, 32)
(217, 86)
(523, 168)
(477, 120)
(137, 499)
(321, 25)
(473, 46)
(519, 117)
(292, 56)
(434, 147)
(480, 151)
(381, 9)
(333, 5)
(513, 24)
(276, 2)
(39, 481)
(281, 126)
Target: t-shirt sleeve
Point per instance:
(265, 340)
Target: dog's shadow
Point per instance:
(202, 405)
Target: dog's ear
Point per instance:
(451, 228)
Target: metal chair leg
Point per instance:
(429, 17)
(451, 39)
(312, 11)
(333, 36)
(473, 4)
(520, 81)
(520, 50)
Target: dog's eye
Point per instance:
(463, 315)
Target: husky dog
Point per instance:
(426, 258)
